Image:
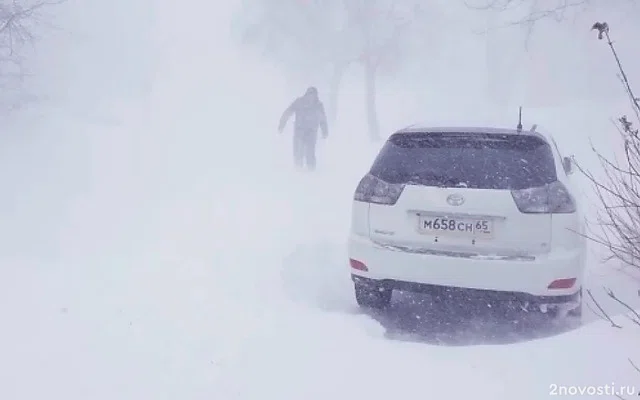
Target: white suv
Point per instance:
(486, 211)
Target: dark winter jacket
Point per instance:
(309, 115)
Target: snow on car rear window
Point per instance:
(472, 160)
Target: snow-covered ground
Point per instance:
(165, 249)
(168, 278)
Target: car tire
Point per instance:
(577, 312)
(375, 297)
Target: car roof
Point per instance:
(418, 128)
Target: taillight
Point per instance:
(565, 283)
(553, 198)
(374, 190)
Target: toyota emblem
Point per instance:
(455, 199)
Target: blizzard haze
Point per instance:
(157, 242)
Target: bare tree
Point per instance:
(337, 34)
(21, 24)
(619, 191)
(379, 26)
(527, 13)
(531, 10)
(617, 226)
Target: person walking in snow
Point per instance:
(309, 116)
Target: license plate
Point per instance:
(466, 227)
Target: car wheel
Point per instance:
(577, 312)
(372, 296)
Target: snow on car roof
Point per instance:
(466, 129)
(420, 128)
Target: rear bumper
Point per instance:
(506, 279)
(484, 297)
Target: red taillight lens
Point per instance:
(359, 265)
(562, 283)
(374, 190)
(553, 198)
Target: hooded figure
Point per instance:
(309, 116)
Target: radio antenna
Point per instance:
(519, 128)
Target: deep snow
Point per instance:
(205, 288)
(162, 247)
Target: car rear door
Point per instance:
(457, 194)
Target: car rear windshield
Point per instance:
(472, 160)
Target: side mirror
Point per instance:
(567, 164)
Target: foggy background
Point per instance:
(146, 187)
